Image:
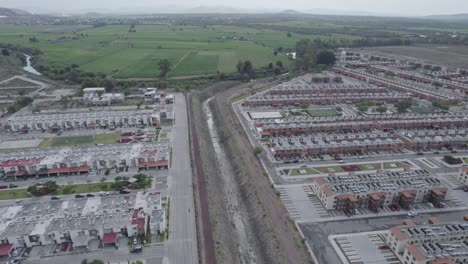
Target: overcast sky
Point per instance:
(403, 7)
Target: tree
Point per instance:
(326, 57)
(277, 71)
(339, 109)
(5, 52)
(279, 64)
(381, 109)
(96, 261)
(270, 65)
(240, 67)
(306, 52)
(257, 150)
(440, 105)
(109, 85)
(74, 75)
(248, 68)
(137, 262)
(402, 106)
(33, 40)
(289, 34)
(363, 108)
(164, 67)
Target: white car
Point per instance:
(412, 213)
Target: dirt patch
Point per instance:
(455, 56)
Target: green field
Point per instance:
(113, 50)
(13, 194)
(322, 112)
(110, 138)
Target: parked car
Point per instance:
(79, 196)
(3, 186)
(55, 198)
(419, 153)
(454, 151)
(13, 185)
(90, 195)
(124, 191)
(465, 189)
(412, 213)
(136, 249)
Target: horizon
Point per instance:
(359, 7)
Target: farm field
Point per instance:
(191, 50)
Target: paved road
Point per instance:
(182, 244)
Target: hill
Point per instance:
(13, 12)
(453, 17)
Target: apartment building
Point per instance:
(376, 190)
(81, 120)
(432, 243)
(80, 160)
(101, 219)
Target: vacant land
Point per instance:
(455, 56)
(110, 138)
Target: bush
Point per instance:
(452, 160)
(257, 150)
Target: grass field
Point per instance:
(13, 194)
(322, 112)
(70, 189)
(110, 138)
(113, 50)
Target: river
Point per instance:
(29, 68)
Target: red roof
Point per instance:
(414, 251)
(5, 249)
(153, 164)
(433, 220)
(109, 238)
(408, 222)
(400, 236)
(320, 181)
(138, 220)
(67, 170)
(21, 173)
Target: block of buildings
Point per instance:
(79, 222)
(82, 120)
(376, 190)
(432, 243)
(80, 160)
